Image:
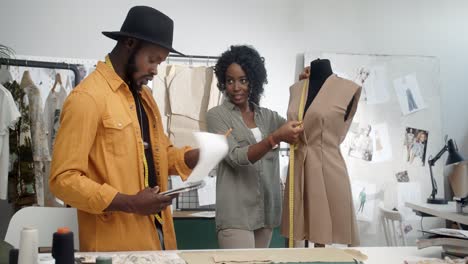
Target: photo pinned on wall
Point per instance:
(382, 148)
(374, 84)
(364, 197)
(402, 176)
(415, 143)
(409, 95)
(361, 145)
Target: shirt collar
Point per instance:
(112, 78)
(232, 106)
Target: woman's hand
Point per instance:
(289, 132)
(305, 73)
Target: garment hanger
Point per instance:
(58, 80)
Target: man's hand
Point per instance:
(149, 201)
(146, 202)
(191, 158)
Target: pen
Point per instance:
(228, 132)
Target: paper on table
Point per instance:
(207, 194)
(206, 214)
(213, 148)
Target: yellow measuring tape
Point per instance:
(291, 167)
(145, 163)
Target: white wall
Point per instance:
(280, 30)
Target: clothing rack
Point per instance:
(44, 64)
(193, 56)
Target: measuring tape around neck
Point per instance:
(291, 167)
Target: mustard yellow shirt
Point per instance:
(98, 152)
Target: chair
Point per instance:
(391, 222)
(46, 220)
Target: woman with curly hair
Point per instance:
(248, 192)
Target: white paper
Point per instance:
(382, 146)
(213, 148)
(207, 214)
(207, 194)
(408, 192)
(364, 196)
(409, 94)
(375, 86)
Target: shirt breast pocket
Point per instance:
(118, 134)
(242, 140)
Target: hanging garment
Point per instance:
(323, 205)
(5, 75)
(191, 93)
(21, 175)
(40, 147)
(9, 115)
(52, 109)
(160, 95)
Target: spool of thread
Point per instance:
(28, 246)
(103, 260)
(62, 246)
(13, 257)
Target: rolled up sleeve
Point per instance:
(176, 161)
(69, 179)
(237, 155)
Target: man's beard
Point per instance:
(130, 69)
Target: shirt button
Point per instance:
(119, 124)
(131, 107)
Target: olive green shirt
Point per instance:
(248, 196)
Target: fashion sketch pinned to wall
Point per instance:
(374, 83)
(409, 94)
(361, 145)
(364, 197)
(382, 148)
(408, 192)
(415, 143)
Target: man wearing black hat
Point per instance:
(111, 157)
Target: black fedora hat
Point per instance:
(147, 24)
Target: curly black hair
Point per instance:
(251, 63)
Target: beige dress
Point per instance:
(323, 206)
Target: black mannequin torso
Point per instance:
(320, 70)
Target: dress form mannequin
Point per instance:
(322, 203)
